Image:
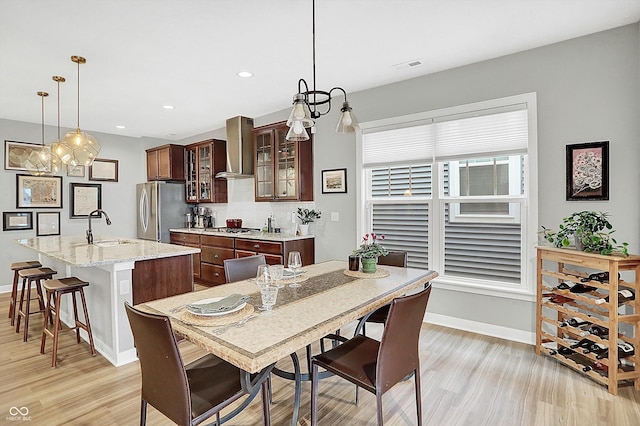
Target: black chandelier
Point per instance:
(306, 102)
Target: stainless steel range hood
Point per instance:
(239, 149)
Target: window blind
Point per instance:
(398, 146)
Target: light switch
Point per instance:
(335, 217)
(124, 287)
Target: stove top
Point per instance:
(226, 230)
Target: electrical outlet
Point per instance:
(124, 287)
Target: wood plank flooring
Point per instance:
(467, 379)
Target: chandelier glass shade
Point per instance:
(77, 147)
(306, 103)
(39, 161)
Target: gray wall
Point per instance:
(588, 90)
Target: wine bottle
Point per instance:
(573, 322)
(598, 330)
(598, 276)
(583, 343)
(565, 285)
(581, 288)
(598, 367)
(623, 296)
(624, 350)
(565, 352)
(595, 348)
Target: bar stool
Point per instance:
(55, 289)
(29, 276)
(15, 267)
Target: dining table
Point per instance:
(330, 296)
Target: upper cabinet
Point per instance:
(283, 169)
(165, 162)
(203, 161)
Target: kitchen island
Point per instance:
(119, 270)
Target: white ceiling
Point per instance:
(142, 54)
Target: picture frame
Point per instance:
(47, 223)
(85, 198)
(587, 171)
(104, 170)
(17, 221)
(75, 171)
(38, 192)
(334, 181)
(17, 153)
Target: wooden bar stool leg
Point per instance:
(87, 323)
(26, 311)
(47, 316)
(14, 299)
(56, 330)
(24, 283)
(75, 316)
(40, 296)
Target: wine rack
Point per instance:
(557, 265)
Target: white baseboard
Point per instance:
(482, 328)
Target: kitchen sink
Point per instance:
(112, 243)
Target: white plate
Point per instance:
(214, 314)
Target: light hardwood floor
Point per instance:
(467, 379)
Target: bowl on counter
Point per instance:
(234, 223)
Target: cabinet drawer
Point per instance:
(212, 274)
(259, 246)
(215, 240)
(271, 259)
(215, 255)
(183, 238)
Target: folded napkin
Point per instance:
(289, 272)
(228, 303)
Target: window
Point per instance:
(452, 187)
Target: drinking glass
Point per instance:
(263, 278)
(269, 294)
(294, 263)
(276, 272)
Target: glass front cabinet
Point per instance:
(203, 161)
(283, 169)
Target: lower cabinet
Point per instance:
(208, 265)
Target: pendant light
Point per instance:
(39, 161)
(83, 147)
(306, 103)
(59, 153)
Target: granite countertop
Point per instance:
(105, 250)
(265, 236)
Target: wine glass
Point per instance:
(294, 263)
(269, 294)
(276, 272)
(263, 278)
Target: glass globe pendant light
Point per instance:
(39, 161)
(60, 155)
(83, 147)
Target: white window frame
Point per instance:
(525, 290)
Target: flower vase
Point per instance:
(369, 264)
(578, 241)
(304, 229)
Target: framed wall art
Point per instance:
(85, 198)
(334, 181)
(104, 170)
(17, 153)
(588, 171)
(38, 192)
(75, 171)
(17, 221)
(47, 223)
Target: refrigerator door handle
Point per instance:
(144, 210)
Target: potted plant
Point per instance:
(369, 251)
(307, 216)
(591, 231)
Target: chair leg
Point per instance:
(14, 299)
(75, 315)
(24, 283)
(47, 316)
(379, 408)
(314, 394)
(266, 400)
(416, 373)
(86, 322)
(143, 412)
(56, 330)
(25, 335)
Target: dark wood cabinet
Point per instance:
(283, 169)
(277, 252)
(214, 250)
(203, 161)
(189, 240)
(165, 162)
(154, 279)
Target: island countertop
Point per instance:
(106, 250)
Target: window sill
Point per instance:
(456, 284)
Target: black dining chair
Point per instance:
(374, 365)
(379, 316)
(186, 394)
(242, 268)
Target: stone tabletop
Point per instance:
(325, 302)
(106, 249)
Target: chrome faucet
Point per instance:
(89, 233)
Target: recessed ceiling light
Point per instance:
(245, 74)
(168, 106)
(121, 127)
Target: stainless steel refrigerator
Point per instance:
(161, 206)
